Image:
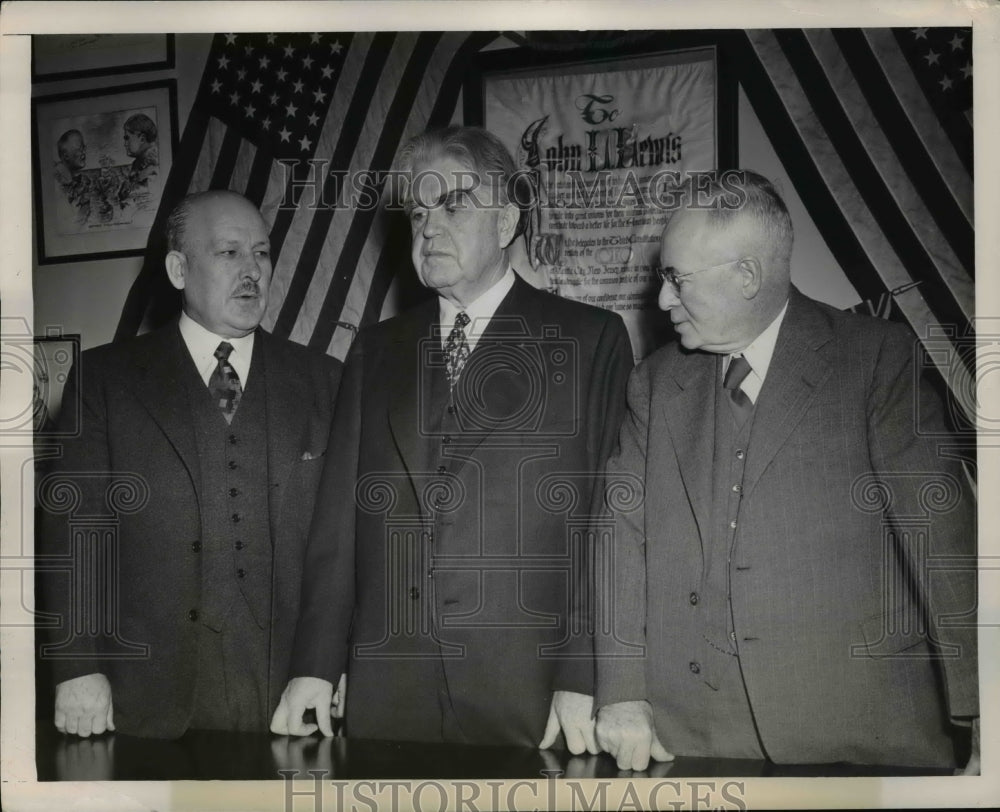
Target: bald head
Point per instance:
(219, 258)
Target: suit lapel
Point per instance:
(689, 410)
(797, 369)
(409, 377)
(288, 408)
(160, 384)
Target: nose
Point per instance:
(668, 297)
(432, 221)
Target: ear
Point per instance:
(507, 224)
(176, 264)
(751, 276)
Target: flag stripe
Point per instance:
(242, 166)
(381, 159)
(293, 221)
(360, 165)
(226, 161)
(882, 154)
(910, 97)
(835, 179)
(955, 126)
(260, 176)
(800, 164)
(864, 175)
(354, 119)
(910, 151)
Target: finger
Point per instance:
(302, 729)
(659, 752)
(85, 725)
(99, 723)
(551, 730)
(279, 722)
(574, 740)
(590, 739)
(640, 756)
(72, 723)
(323, 719)
(111, 714)
(60, 721)
(624, 755)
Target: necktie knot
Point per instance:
(462, 320)
(737, 372)
(223, 351)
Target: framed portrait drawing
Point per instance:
(74, 56)
(100, 159)
(610, 146)
(54, 356)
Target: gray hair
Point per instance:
(759, 201)
(482, 152)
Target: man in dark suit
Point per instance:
(215, 429)
(774, 589)
(446, 565)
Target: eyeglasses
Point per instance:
(669, 274)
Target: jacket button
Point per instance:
(232, 465)
(732, 524)
(234, 492)
(737, 488)
(739, 454)
(732, 636)
(239, 545)
(442, 469)
(695, 668)
(236, 517)
(693, 597)
(446, 440)
(232, 439)
(193, 615)
(451, 410)
(196, 546)
(414, 592)
(241, 573)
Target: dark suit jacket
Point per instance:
(135, 422)
(830, 642)
(516, 478)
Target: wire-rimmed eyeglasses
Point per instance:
(669, 273)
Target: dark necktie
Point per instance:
(456, 349)
(738, 369)
(225, 383)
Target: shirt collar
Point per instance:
(758, 354)
(480, 311)
(202, 343)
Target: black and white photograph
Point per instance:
(414, 409)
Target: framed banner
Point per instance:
(612, 148)
(74, 56)
(100, 160)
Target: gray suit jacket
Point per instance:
(829, 606)
(135, 423)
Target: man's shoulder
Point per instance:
(556, 308)
(296, 355)
(852, 329)
(129, 350)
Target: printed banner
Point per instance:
(611, 154)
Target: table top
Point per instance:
(223, 755)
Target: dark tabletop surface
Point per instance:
(218, 755)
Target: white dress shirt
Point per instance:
(758, 354)
(479, 311)
(202, 345)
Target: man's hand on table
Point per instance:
(626, 731)
(83, 706)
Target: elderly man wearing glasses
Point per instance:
(771, 609)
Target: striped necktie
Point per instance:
(225, 383)
(456, 349)
(738, 369)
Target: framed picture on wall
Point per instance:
(100, 159)
(74, 56)
(610, 145)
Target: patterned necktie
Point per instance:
(456, 349)
(738, 369)
(225, 383)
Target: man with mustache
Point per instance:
(220, 429)
(449, 549)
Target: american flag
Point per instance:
(874, 127)
(284, 119)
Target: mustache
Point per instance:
(247, 286)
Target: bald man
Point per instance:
(225, 426)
